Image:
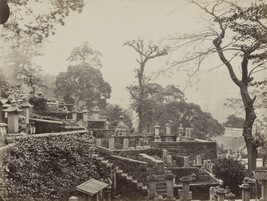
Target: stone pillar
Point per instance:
(187, 131)
(111, 143)
(85, 115)
(157, 137)
(199, 162)
(180, 133)
(107, 192)
(74, 115)
(13, 121)
(98, 142)
(170, 184)
(185, 194)
(190, 133)
(168, 129)
(152, 181)
(26, 112)
(169, 160)
(126, 143)
(220, 193)
(186, 161)
(264, 190)
(2, 133)
(164, 155)
(245, 192)
(73, 198)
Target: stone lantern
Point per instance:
(261, 175)
(180, 133)
(12, 115)
(85, 115)
(26, 107)
(157, 137)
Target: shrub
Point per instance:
(231, 171)
(39, 104)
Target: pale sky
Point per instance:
(106, 24)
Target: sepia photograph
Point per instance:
(133, 100)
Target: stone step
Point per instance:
(119, 171)
(124, 174)
(144, 187)
(134, 181)
(139, 184)
(129, 177)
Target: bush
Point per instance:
(231, 171)
(39, 104)
(43, 168)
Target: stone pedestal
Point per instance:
(170, 184)
(185, 194)
(126, 143)
(221, 193)
(245, 192)
(152, 179)
(111, 143)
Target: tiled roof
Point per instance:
(91, 186)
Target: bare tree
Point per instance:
(145, 52)
(234, 33)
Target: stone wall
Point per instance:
(207, 150)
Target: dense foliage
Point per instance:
(82, 85)
(234, 122)
(167, 105)
(231, 171)
(39, 104)
(43, 168)
(26, 20)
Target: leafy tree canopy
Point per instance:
(167, 105)
(82, 85)
(26, 19)
(231, 171)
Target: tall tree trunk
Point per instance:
(250, 117)
(141, 104)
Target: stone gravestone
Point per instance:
(186, 161)
(164, 155)
(111, 143)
